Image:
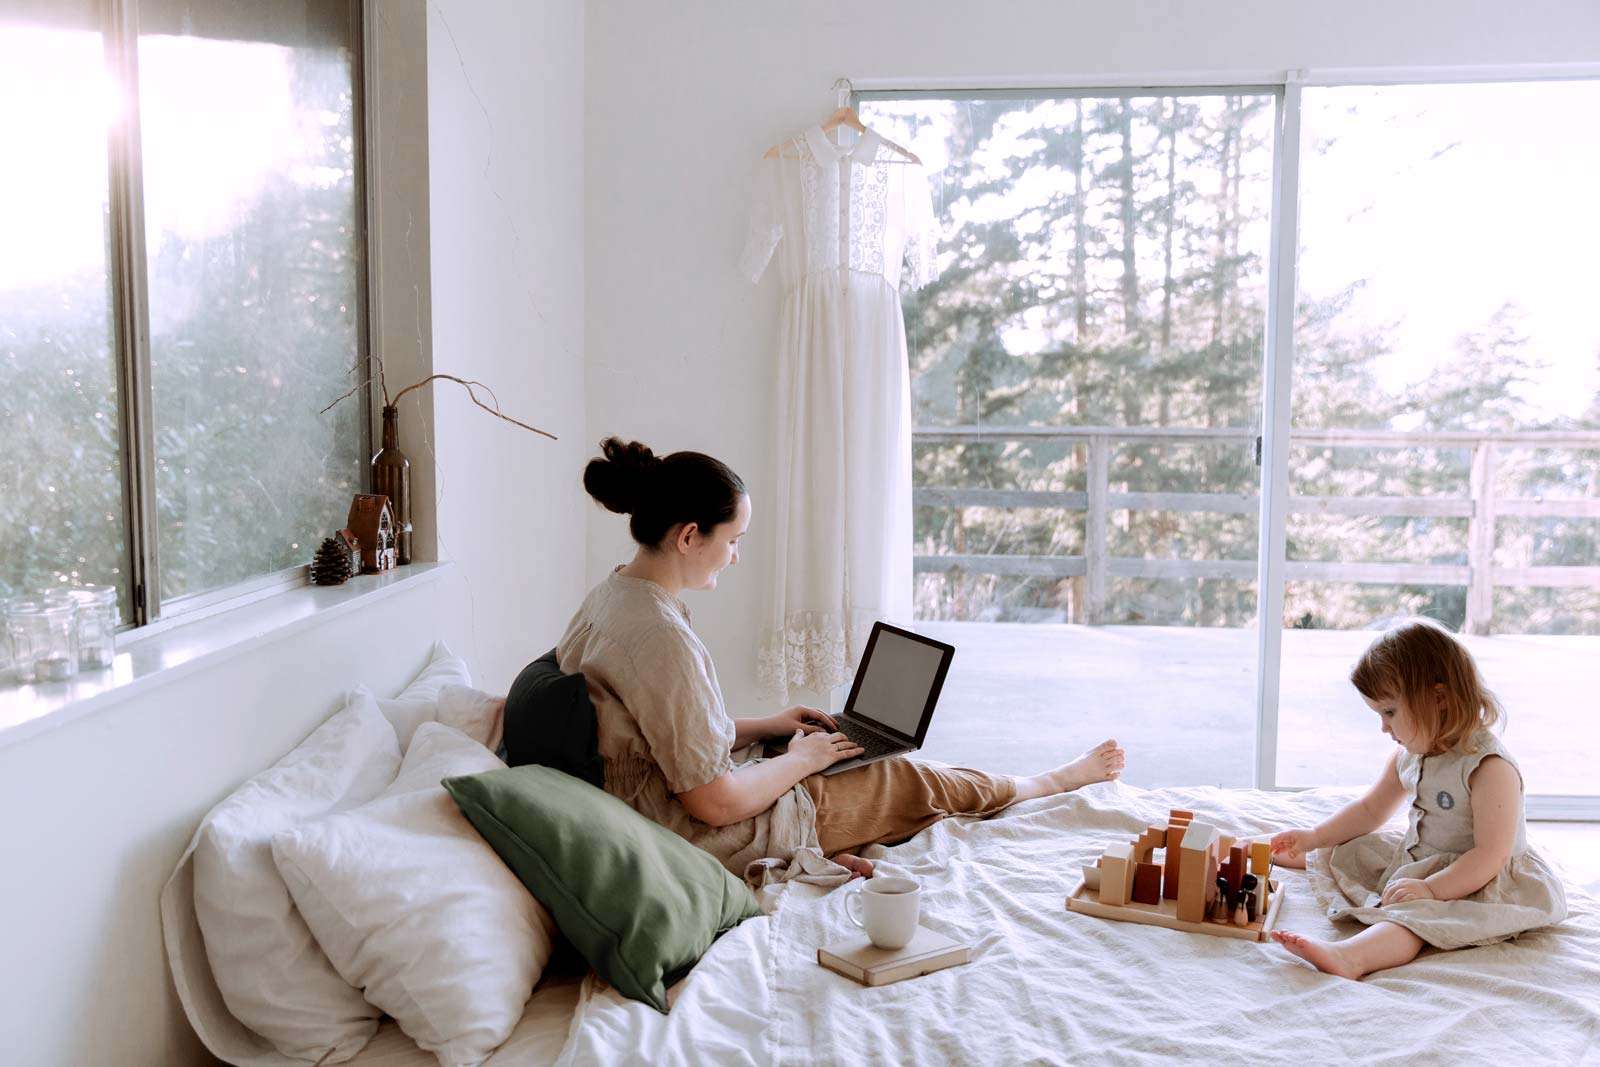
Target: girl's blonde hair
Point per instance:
(1408, 661)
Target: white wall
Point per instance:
(94, 815)
(682, 98)
(506, 198)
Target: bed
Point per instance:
(1045, 985)
(1050, 986)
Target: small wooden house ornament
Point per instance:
(351, 545)
(372, 522)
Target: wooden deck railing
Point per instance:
(1482, 508)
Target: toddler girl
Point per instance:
(1463, 873)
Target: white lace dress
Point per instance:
(842, 220)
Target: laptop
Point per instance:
(892, 699)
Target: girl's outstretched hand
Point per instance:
(1289, 847)
(1403, 889)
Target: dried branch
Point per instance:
(470, 385)
(352, 391)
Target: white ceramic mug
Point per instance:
(889, 908)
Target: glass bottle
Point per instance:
(391, 476)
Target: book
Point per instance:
(861, 960)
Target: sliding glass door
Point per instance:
(1379, 291)
(1445, 441)
(1087, 378)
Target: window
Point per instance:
(1103, 277)
(161, 385)
(1445, 272)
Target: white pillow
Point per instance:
(418, 702)
(273, 977)
(414, 907)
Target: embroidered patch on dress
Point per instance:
(1446, 801)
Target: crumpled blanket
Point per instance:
(1049, 986)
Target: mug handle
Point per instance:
(852, 898)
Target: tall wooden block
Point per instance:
(1198, 865)
(1260, 858)
(1116, 874)
(1236, 868)
(1172, 869)
(1147, 884)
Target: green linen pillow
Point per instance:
(639, 902)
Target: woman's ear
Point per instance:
(686, 535)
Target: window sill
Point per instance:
(153, 656)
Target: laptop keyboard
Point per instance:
(874, 744)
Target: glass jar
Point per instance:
(97, 626)
(43, 641)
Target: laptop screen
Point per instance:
(896, 681)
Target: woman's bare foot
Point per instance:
(1101, 763)
(1325, 956)
(856, 864)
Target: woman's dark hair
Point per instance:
(661, 492)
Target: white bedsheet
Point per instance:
(1049, 986)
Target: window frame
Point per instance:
(127, 267)
(1278, 335)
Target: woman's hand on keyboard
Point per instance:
(800, 717)
(822, 750)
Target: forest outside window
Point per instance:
(182, 290)
(1102, 274)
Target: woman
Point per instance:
(670, 749)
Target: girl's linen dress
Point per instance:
(1349, 879)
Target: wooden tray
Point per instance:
(1166, 914)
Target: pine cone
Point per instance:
(331, 566)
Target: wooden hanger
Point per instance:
(844, 116)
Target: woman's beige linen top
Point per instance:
(664, 731)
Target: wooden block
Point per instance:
(1228, 872)
(1116, 874)
(1153, 838)
(1236, 865)
(1091, 877)
(1171, 871)
(1147, 884)
(1178, 813)
(1198, 872)
(1224, 845)
(1260, 858)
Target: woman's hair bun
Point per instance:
(620, 477)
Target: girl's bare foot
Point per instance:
(1325, 956)
(856, 864)
(1101, 763)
